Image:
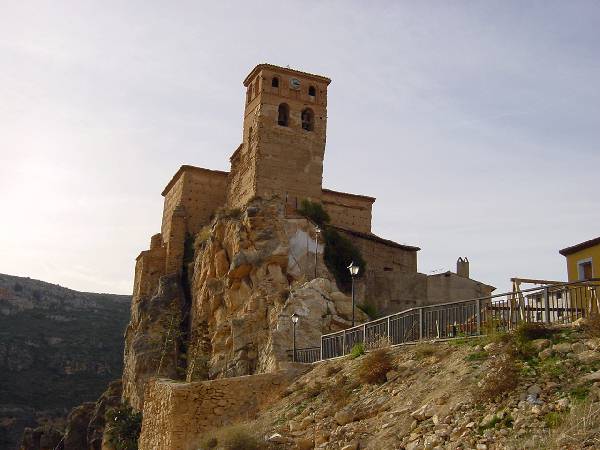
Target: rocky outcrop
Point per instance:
(231, 302)
(77, 424)
(152, 339)
(249, 276)
(42, 438)
(95, 428)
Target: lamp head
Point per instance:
(295, 318)
(353, 268)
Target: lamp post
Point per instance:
(295, 318)
(353, 268)
(317, 233)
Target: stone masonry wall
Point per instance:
(199, 191)
(348, 210)
(176, 414)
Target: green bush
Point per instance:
(369, 309)
(123, 427)
(314, 211)
(338, 254)
(357, 350)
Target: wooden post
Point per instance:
(478, 315)
(546, 306)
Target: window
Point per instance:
(584, 269)
(275, 82)
(308, 120)
(283, 115)
(312, 91)
(249, 94)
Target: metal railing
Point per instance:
(305, 355)
(559, 303)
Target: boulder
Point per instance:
(592, 377)
(563, 348)
(343, 417)
(541, 344)
(424, 412)
(588, 356)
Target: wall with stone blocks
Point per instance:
(176, 414)
(149, 267)
(348, 210)
(381, 255)
(199, 191)
(449, 287)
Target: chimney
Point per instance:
(462, 267)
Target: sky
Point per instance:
(475, 124)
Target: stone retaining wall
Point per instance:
(176, 414)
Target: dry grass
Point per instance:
(378, 342)
(578, 429)
(233, 437)
(339, 392)
(501, 377)
(374, 366)
(425, 350)
(591, 326)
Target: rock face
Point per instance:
(248, 279)
(58, 348)
(231, 302)
(152, 339)
(84, 427)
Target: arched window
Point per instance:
(283, 115)
(308, 119)
(312, 91)
(275, 82)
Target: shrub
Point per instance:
(553, 419)
(529, 331)
(477, 356)
(201, 237)
(591, 326)
(332, 369)
(425, 350)
(357, 350)
(369, 309)
(314, 211)
(17, 287)
(501, 377)
(579, 393)
(123, 427)
(339, 252)
(233, 437)
(374, 366)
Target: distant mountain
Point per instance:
(58, 348)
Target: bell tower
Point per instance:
(285, 124)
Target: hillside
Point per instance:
(58, 348)
(538, 388)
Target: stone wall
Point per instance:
(382, 255)
(449, 287)
(348, 210)
(177, 414)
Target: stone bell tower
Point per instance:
(285, 123)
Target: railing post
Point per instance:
(365, 334)
(321, 351)
(421, 324)
(389, 331)
(478, 315)
(546, 306)
(344, 344)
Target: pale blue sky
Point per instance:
(475, 124)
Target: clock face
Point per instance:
(294, 83)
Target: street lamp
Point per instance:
(353, 268)
(295, 318)
(317, 233)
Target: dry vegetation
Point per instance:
(233, 437)
(374, 366)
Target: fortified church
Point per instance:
(281, 155)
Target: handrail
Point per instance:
(435, 305)
(563, 303)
